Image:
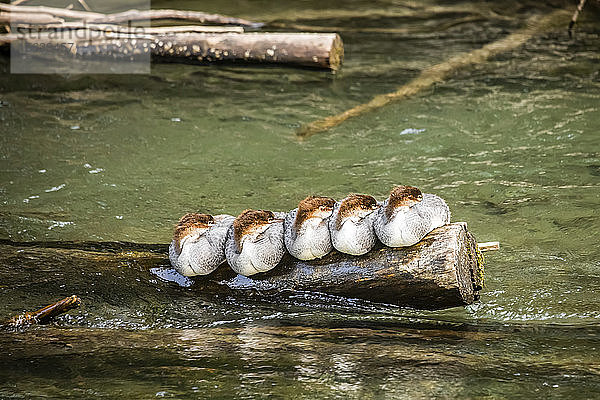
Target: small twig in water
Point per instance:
(575, 16)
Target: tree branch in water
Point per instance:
(129, 16)
(437, 73)
(575, 16)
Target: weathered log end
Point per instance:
(336, 53)
(444, 270)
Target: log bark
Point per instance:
(444, 270)
(298, 49)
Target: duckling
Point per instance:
(408, 215)
(306, 232)
(255, 242)
(198, 245)
(351, 224)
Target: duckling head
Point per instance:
(191, 226)
(251, 223)
(314, 207)
(355, 207)
(402, 196)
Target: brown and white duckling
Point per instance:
(351, 224)
(408, 215)
(306, 232)
(198, 245)
(255, 242)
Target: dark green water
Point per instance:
(512, 145)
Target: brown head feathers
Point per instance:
(309, 206)
(248, 220)
(353, 203)
(190, 222)
(402, 196)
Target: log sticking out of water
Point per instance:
(444, 270)
(317, 50)
(45, 314)
(46, 28)
(112, 30)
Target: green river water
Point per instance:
(511, 144)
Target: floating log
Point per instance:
(30, 19)
(95, 36)
(317, 50)
(443, 270)
(115, 29)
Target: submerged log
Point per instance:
(444, 270)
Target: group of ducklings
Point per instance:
(256, 240)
